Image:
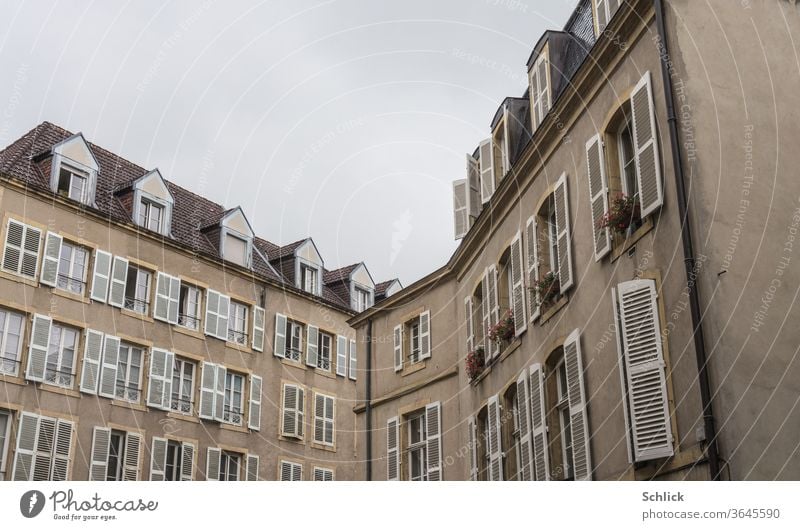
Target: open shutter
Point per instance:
(645, 370)
(174, 300)
(598, 195)
(37, 350)
(563, 242)
(494, 307)
(468, 324)
(577, 407)
(212, 312)
(62, 450)
(208, 385)
(532, 267)
(544, 88)
(486, 314)
(219, 392)
(525, 454)
(101, 440)
(259, 319)
(312, 345)
(460, 208)
(473, 448)
(330, 420)
(279, 344)
(159, 392)
(52, 253)
(254, 412)
(133, 445)
(12, 251)
(495, 441)
(188, 451)
(392, 449)
(622, 375)
(168, 290)
(158, 458)
(341, 355)
(433, 423)
(487, 170)
(398, 348)
(648, 163)
(354, 360)
(212, 463)
(119, 276)
(43, 452)
(108, 369)
(26, 445)
(319, 418)
(425, 335)
(473, 187)
(92, 355)
(541, 460)
(252, 467)
(518, 286)
(222, 317)
(101, 276)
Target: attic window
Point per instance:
(73, 173)
(540, 88)
(363, 299)
(151, 216)
(235, 249)
(73, 183)
(152, 203)
(308, 279)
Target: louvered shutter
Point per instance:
(159, 392)
(487, 170)
(473, 187)
(212, 312)
(37, 350)
(433, 442)
(540, 469)
(222, 317)
(208, 385)
(26, 446)
(648, 163)
(188, 451)
(279, 344)
(468, 324)
(622, 375)
(219, 392)
(460, 208)
(598, 195)
(495, 440)
(577, 407)
(398, 348)
(62, 450)
(532, 267)
(212, 463)
(259, 319)
(323, 475)
(473, 448)
(544, 87)
(12, 251)
(43, 453)
(354, 360)
(563, 242)
(119, 276)
(131, 464)
(252, 467)
(341, 355)
(21, 252)
(292, 403)
(108, 369)
(158, 458)
(645, 370)
(52, 255)
(601, 14)
(525, 455)
(286, 471)
(330, 420)
(393, 449)
(319, 418)
(101, 440)
(494, 307)
(518, 286)
(174, 299)
(168, 289)
(425, 335)
(254, 411)
(92, 356)
(101, 276)
(486, 314)
(312, 345)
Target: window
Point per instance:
(237, 323)
(172, 469)
(129, 372)
(417, 436)
(324, 355)
(60, 368)
(292, 413)
(511, 434)
(414, 344)
(539, 77)
(11, 324)
(235, 249)
(627, 166)
(363, 299)
(44, 448)
(189, 307)
(322, 474)
(234, 398)
(229, 465)
(552, 235)
(565, 432)
(183, 386)
(294, 340)
(5, 434)
(21, 251)
(73, 183)
(291, 471)
(151, 216)
(412, 341)
(308, 278)
(416, 446)
(137, 289)
(72, 265)
(324, 423)
(116, 455)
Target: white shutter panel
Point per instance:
(648, 163)
(330, 420)
(544, 87)
(119, 276)
(26, 445)
(259, 319)
(158, 458)
(425, 335)
(523, 402)
(187, 461)
(319, 418)
(108, 369)
(341, 355)
(133, 445)
(101, 276)
(460, 208)
(92, 355)
(398, 348)
(174, 300)
(495, 440)
(43, 452)
(598, 195)
(279, 344)
(312, 345)
(473, 448)
(322, 474)
(433, 422)
(518, 286)
(541, 461)
(487, 170)
(468, 324)
(212, 463)
(212, 312)
(12, 252)
(579, 423)
(222, 317)
(219, 393)
(533, 267)
(208, 385)
(286, 471)
(473, 187)
(563, 242)
(101, 440)
(486, 315)
(161, 307)
(62, 450)
(159, 392)
(254, 412)
(30, 252)
(645, 370)
(252, 467)
(622, 375)
(353, 360)
(291, 416)
(52, 254)
(37, 350)
(393, 449)
(494, 307)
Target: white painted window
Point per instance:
(324, 419)
(129, 372)
(308, 279)
(189, 307)
(60, 367)
(137, 289)
(234, 398)
(43, 448)
(323, 474)
(294, 340)
(363, 299)
(5, 434)
(414, 343)
(562, 404)
(237, 323)
(72, 266)
(324, 354)
(229, 465)
(174, 464)
(151, 216)
(183, 375)
(11, 327)
(417, 447)
(552, 235)
(291, 471)
(73, 183)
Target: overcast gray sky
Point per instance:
(343, 120)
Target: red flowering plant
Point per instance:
(622, 211)
(503, 330)
(475, 361)
(547, 288)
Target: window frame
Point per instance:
(175, 449)
(179, 377)
(225, 460)
(69, 276)
(186, 320)
(4, 341)
(126, 379)
(147, 205)
(248, 244)
(322, 357)
(229, 409)
(74, 172)
(564, 419)
(363, 299)
(418, 448)
(238, 314)
(132, 302)
(58, 371)
(325, 420)
(309, 278)
(291, 353)
(120, 456)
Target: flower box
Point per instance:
(623, 211)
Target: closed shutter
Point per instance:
(487, 170)
(460, 208)
(398, 348)
(133, 445)
(26, 446)
(472, 444)
(188, 452)
(222, 317)
(259, 319)
(101, 440)
(433, 424)
(208, 385)
(648, 163)
(495, 440)
(52, 255)
(168, 289)
(494, 307)
(312, 345)
(279, 344)
(108, 369)
(645, 370)
(101, 276)
(598, 195)
(473, 187)
(468, 324)
(62, 450)
(324, 421)
(425, 335)
(532, 267)
(92, 356)
(322, 474)
(393, 449)
(43, 453)
(341, 355)
(252, 467)
(525, 456)
(119, 277)
(159, 392)
(212, 463)
(37, 350)
(254, 410)
(563, 242)
(21, 252)
(354, 360)
(577, 407)
(518, 286)
(219, 392)
(292, 422)
(291, 471)
(158, 458)
(539, 444)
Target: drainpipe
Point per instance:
(688, 251)
(368, 410)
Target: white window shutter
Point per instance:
(398, 348)
(601, 15)
(598, 195)
(27, 437)
(319, 418)
(645, 370)
(252, 467)
(544, 86)
(494, 307)
(563, 239)
(212, 312)
(219, 392)
(286, 471)
(259, 320)
(174, 300)
(37, 350)
(108, 368)
(279, 344)
(188, 452)
(254, 412)
(341, 355)
(212, 463)
(486, 314)
(474, 203)
(330, 420)
(540, 469)
(425, 335)
(21, 252)
(393, 449)
(473, 448)
(101, 276)
(222, 317)
(433, 423)
(92, 357)
(648, 163)
(487, 170)
(312, 345)
(158, 459)
(495, 439)
(62, 450)
(468, 324)
(353, 360)
(43, 453)
(579, 422)
(208, 385)
(131, 464)
(622, 375)
(52, 254)
(292, 405)
(460, 208)
(159, 391)
(119, 277)
(534, 307)
(518, 286)
(322, 474)
(161, 307)
(525, 454)
(101, 440)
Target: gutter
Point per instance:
(369, 401)
(688, 251)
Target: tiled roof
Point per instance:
(380, 288)
(341, 274)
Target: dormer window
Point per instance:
(308, 267)
(236, 238)
(74, 170)
(73, 183)
(363, 299)
(235, 249)
(151, 216)
(539, 77)
(153, 202)
(362, 289)
(308, 278)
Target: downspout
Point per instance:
(688, 250)
(368, 409)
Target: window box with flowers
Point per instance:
(503, 332)
(547, 290)
(476, 362)
(622, 214)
